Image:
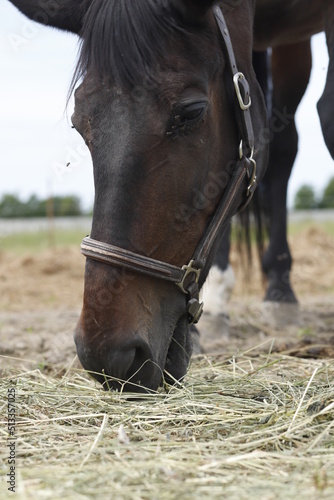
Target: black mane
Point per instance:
(122, 40)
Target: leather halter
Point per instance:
(186, 277)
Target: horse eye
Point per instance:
(192, 112)
(185, 117)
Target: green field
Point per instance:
(298, 227)
(41, 240)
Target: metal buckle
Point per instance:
(238, 76)
(251, 176)
(195, 310)
(188, 269)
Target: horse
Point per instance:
(287, 27)
(168, 103)
(282, 32)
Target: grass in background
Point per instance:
(295, 228)
(38, 241)
(32, 242)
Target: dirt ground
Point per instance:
(41, 295)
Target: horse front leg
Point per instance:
(291, 67)
(216, 292)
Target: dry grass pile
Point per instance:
(248, 428)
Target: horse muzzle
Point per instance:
(134, 360)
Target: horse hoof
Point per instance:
(280, 314)
(214, 333)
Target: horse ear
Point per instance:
(193, 11)
(66, 15)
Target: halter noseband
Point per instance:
(186, 277)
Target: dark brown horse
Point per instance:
(285, 27)
(168, 116)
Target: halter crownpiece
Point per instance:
(187, 277)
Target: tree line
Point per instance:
(59, 206)
(306, 198)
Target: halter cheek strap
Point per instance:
(241, 185)
(244, 103)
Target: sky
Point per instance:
(36, 138)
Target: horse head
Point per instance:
(156, 106)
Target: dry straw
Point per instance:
(243, 428)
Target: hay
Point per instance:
(242, 428)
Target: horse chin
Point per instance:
(152, 375)
(179, 353)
